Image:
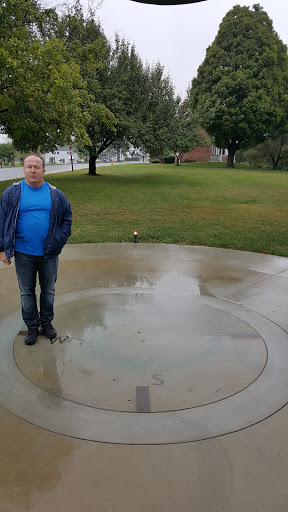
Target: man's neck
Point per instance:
(34, 185)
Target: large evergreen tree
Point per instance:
(241, 90)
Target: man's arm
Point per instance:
(66, 220)
(3, 256)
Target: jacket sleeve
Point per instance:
(3, 216)
(66, 220)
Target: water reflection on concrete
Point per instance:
(186, 352)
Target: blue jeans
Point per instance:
(27, 267)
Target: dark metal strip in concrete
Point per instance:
(142, 399)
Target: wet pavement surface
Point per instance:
(166, 388)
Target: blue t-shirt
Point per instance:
(33, 219)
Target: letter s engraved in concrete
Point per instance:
(156, 377)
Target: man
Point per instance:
(35, 224)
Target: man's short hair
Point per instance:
(35, 154)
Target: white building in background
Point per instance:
(61, 156)
(4, 139)
(111, 155)
(217, 154)
(114, 155)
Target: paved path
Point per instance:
(166, 390)
(10, 173)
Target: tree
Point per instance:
(63, 82)
(186, 134)
(143, 101)
(240, 90)
(159, 110)
(123, 90)
(276, 150)
(126, 102)
(7, 152)
(253, 156)
(41, 89)
(120, 91)
(88, 46)
(115, 84)
(271, 152)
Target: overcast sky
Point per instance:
(178, 35)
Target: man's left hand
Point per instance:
(3, 258)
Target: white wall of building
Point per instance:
(61, 156)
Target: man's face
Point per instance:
(33, 171)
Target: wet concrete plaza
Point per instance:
(165, 391)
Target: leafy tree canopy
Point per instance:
(7, 151)
(241, 87)
(160, 109)
(185, 134)
(138, 100)
(40, 86)
(272, 153)
(88, 46)
(63, 81)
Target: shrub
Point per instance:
(170, 159)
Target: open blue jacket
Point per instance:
(59, 225)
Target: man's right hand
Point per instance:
(3, 258)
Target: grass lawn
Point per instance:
(195, 204)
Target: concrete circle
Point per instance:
(262, 398)
(180, 353)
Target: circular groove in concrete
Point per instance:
(116, 347)
(253, 404)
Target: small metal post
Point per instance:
(71, 151)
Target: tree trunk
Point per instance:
(276, 161)
(92, 164)
(230, 159)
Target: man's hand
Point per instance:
(3, 258)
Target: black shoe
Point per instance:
(49, 331)
(31, 336)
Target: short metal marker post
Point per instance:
(71, 152)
